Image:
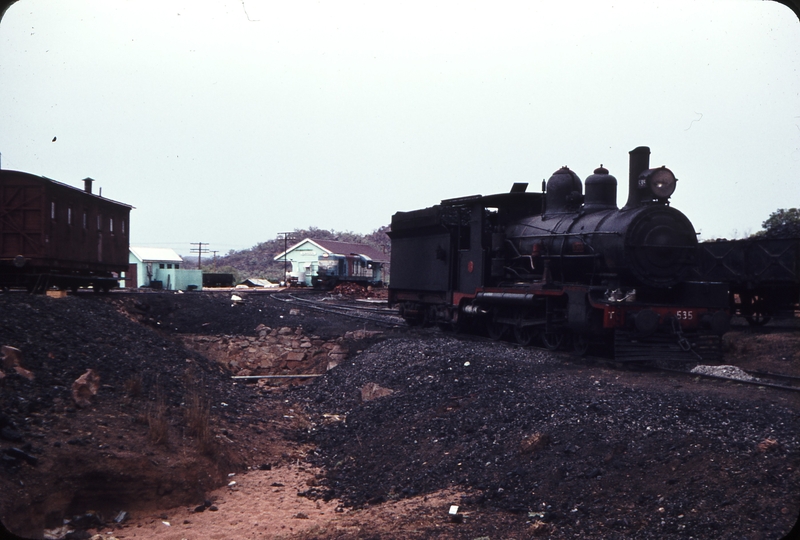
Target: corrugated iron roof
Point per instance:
(350, 248)
(335, 247)
(257, 282)
(151, 254)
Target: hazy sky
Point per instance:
(229, 121)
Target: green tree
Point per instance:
(783, 223)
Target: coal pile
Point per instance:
(226, 313)
(61, 339)
(162, 425)
(129, 445)
(582, 451)
(358, 290)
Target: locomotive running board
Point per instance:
(665, 347)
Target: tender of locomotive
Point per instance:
(563, 267)
(55, 235)
(763, 274)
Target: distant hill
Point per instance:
(257, 261)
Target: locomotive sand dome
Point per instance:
(561, 267)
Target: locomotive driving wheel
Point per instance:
(552, 340)
(524, 335)
(496, 330)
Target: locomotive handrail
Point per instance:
(567, 256)
(555, 235)
(671, 246)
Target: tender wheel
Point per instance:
(414, 321)
(552, 340)
(754, 309)
(758, 319)
(411, 316)
(524, 335)
(757, 314)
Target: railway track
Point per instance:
(380, 316)
(763, 379)
(759, 378)
(389, 318)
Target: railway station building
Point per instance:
(346, 261)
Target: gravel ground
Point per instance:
(588, 451)
(526, 442)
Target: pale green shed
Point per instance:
(160, 268)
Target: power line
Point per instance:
(285, 247)
(199, 250)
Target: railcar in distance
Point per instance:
(53, 235)
(217, 279)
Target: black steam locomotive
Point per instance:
(563, 267)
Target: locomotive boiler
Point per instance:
(563, 266)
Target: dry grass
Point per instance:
(133, 386)
(157, 417)
(197, 412)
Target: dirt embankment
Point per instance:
(166, 425)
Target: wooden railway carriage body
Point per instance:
(561, 267)
(55, 235)
(763, 274)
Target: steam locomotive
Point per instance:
(564, 267)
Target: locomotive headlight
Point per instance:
(661, 182)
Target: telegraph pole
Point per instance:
(199, 250)
(214, 253)
(285, 247)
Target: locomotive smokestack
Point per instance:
(87, 185)
(640, 162)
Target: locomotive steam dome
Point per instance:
(601, 191)
(564, 191)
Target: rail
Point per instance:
(379, 316)
(754, 382)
